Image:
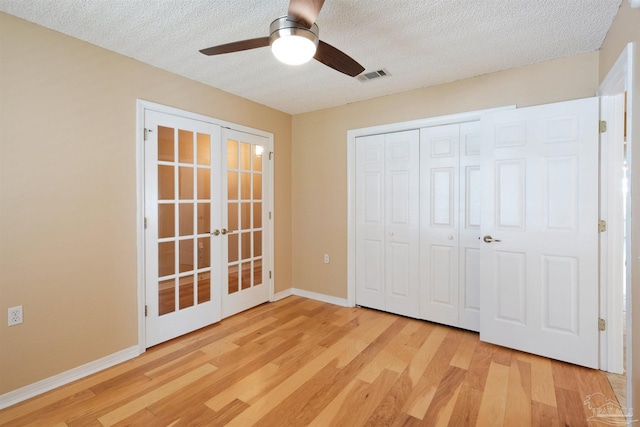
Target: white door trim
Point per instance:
(141, 107)
(351, 175)
(618, 80)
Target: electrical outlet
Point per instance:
(326, 258)
(14, 315)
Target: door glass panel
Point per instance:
(204, 288)
(257, 215)
(245, 186)
(204, 149)
(166, 189)
(166, 296)
(186, 183)
(245, 245)
(257, 186)
(187, 296)
(233, 247)
(245, 156)
(166, 220)
(245, 275)
(204, 218)
(166, 258)
(185, 146)
(204, 188)
(232, 214)
(165, 144)
(232, 185)
(186, 219)
(186, 255)
(232, 154)
(257, 158)
(233, 279)
(204, 252)
(245, 216)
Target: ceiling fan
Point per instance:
(294, 40)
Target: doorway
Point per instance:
(205, 233)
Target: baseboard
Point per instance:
(282, 295)
(31, 390)
(321, 297)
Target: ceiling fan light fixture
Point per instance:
(291, 42)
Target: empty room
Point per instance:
(319, 212)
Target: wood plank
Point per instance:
(304, 362)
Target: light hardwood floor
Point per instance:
(299, 362)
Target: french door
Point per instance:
(183, 257)
(246, 217)
(207, 223)
(539, 251)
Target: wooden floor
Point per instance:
(300, 362)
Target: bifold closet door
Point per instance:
(450, 224)
(387, 222)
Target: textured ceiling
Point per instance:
(420, 42)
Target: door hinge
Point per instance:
(270, 154)
(603, 126)
(146, 310)
(269, 214)
(269, 274)
(602, 324)
(145, 222)
(602, 226)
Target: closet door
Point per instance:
(469, 242)
(439, 195)
(387, 222)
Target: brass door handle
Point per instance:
(215, 232)
(489, 239)
(225, 231)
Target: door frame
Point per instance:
(141, 107)
(351, 174)
(619, 79)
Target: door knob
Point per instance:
(489, 239)
(225, 231)
(216, 232)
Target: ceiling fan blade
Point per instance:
(338, 60)
(305, 11)
(236, 46)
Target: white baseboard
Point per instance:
(31, 390)
(282, 295)
(320, 297)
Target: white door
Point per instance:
(246, 224)
(182, 257)
(540, 208)
(439, 243)
(387, 222)
(450, 224)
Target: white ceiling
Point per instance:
(420, 42)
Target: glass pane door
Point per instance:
(245, 219)
(182, 202)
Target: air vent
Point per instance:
(372, 75)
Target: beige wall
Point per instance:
(320, 151)
(68, 194)
(626, 29)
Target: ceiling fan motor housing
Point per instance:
(286, 26)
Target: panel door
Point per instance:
(182, 256)
(370, 222)
(469, 226)
(402, 223)
(387, 222)
(540, 207)
(440, 237)
(245, 233)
